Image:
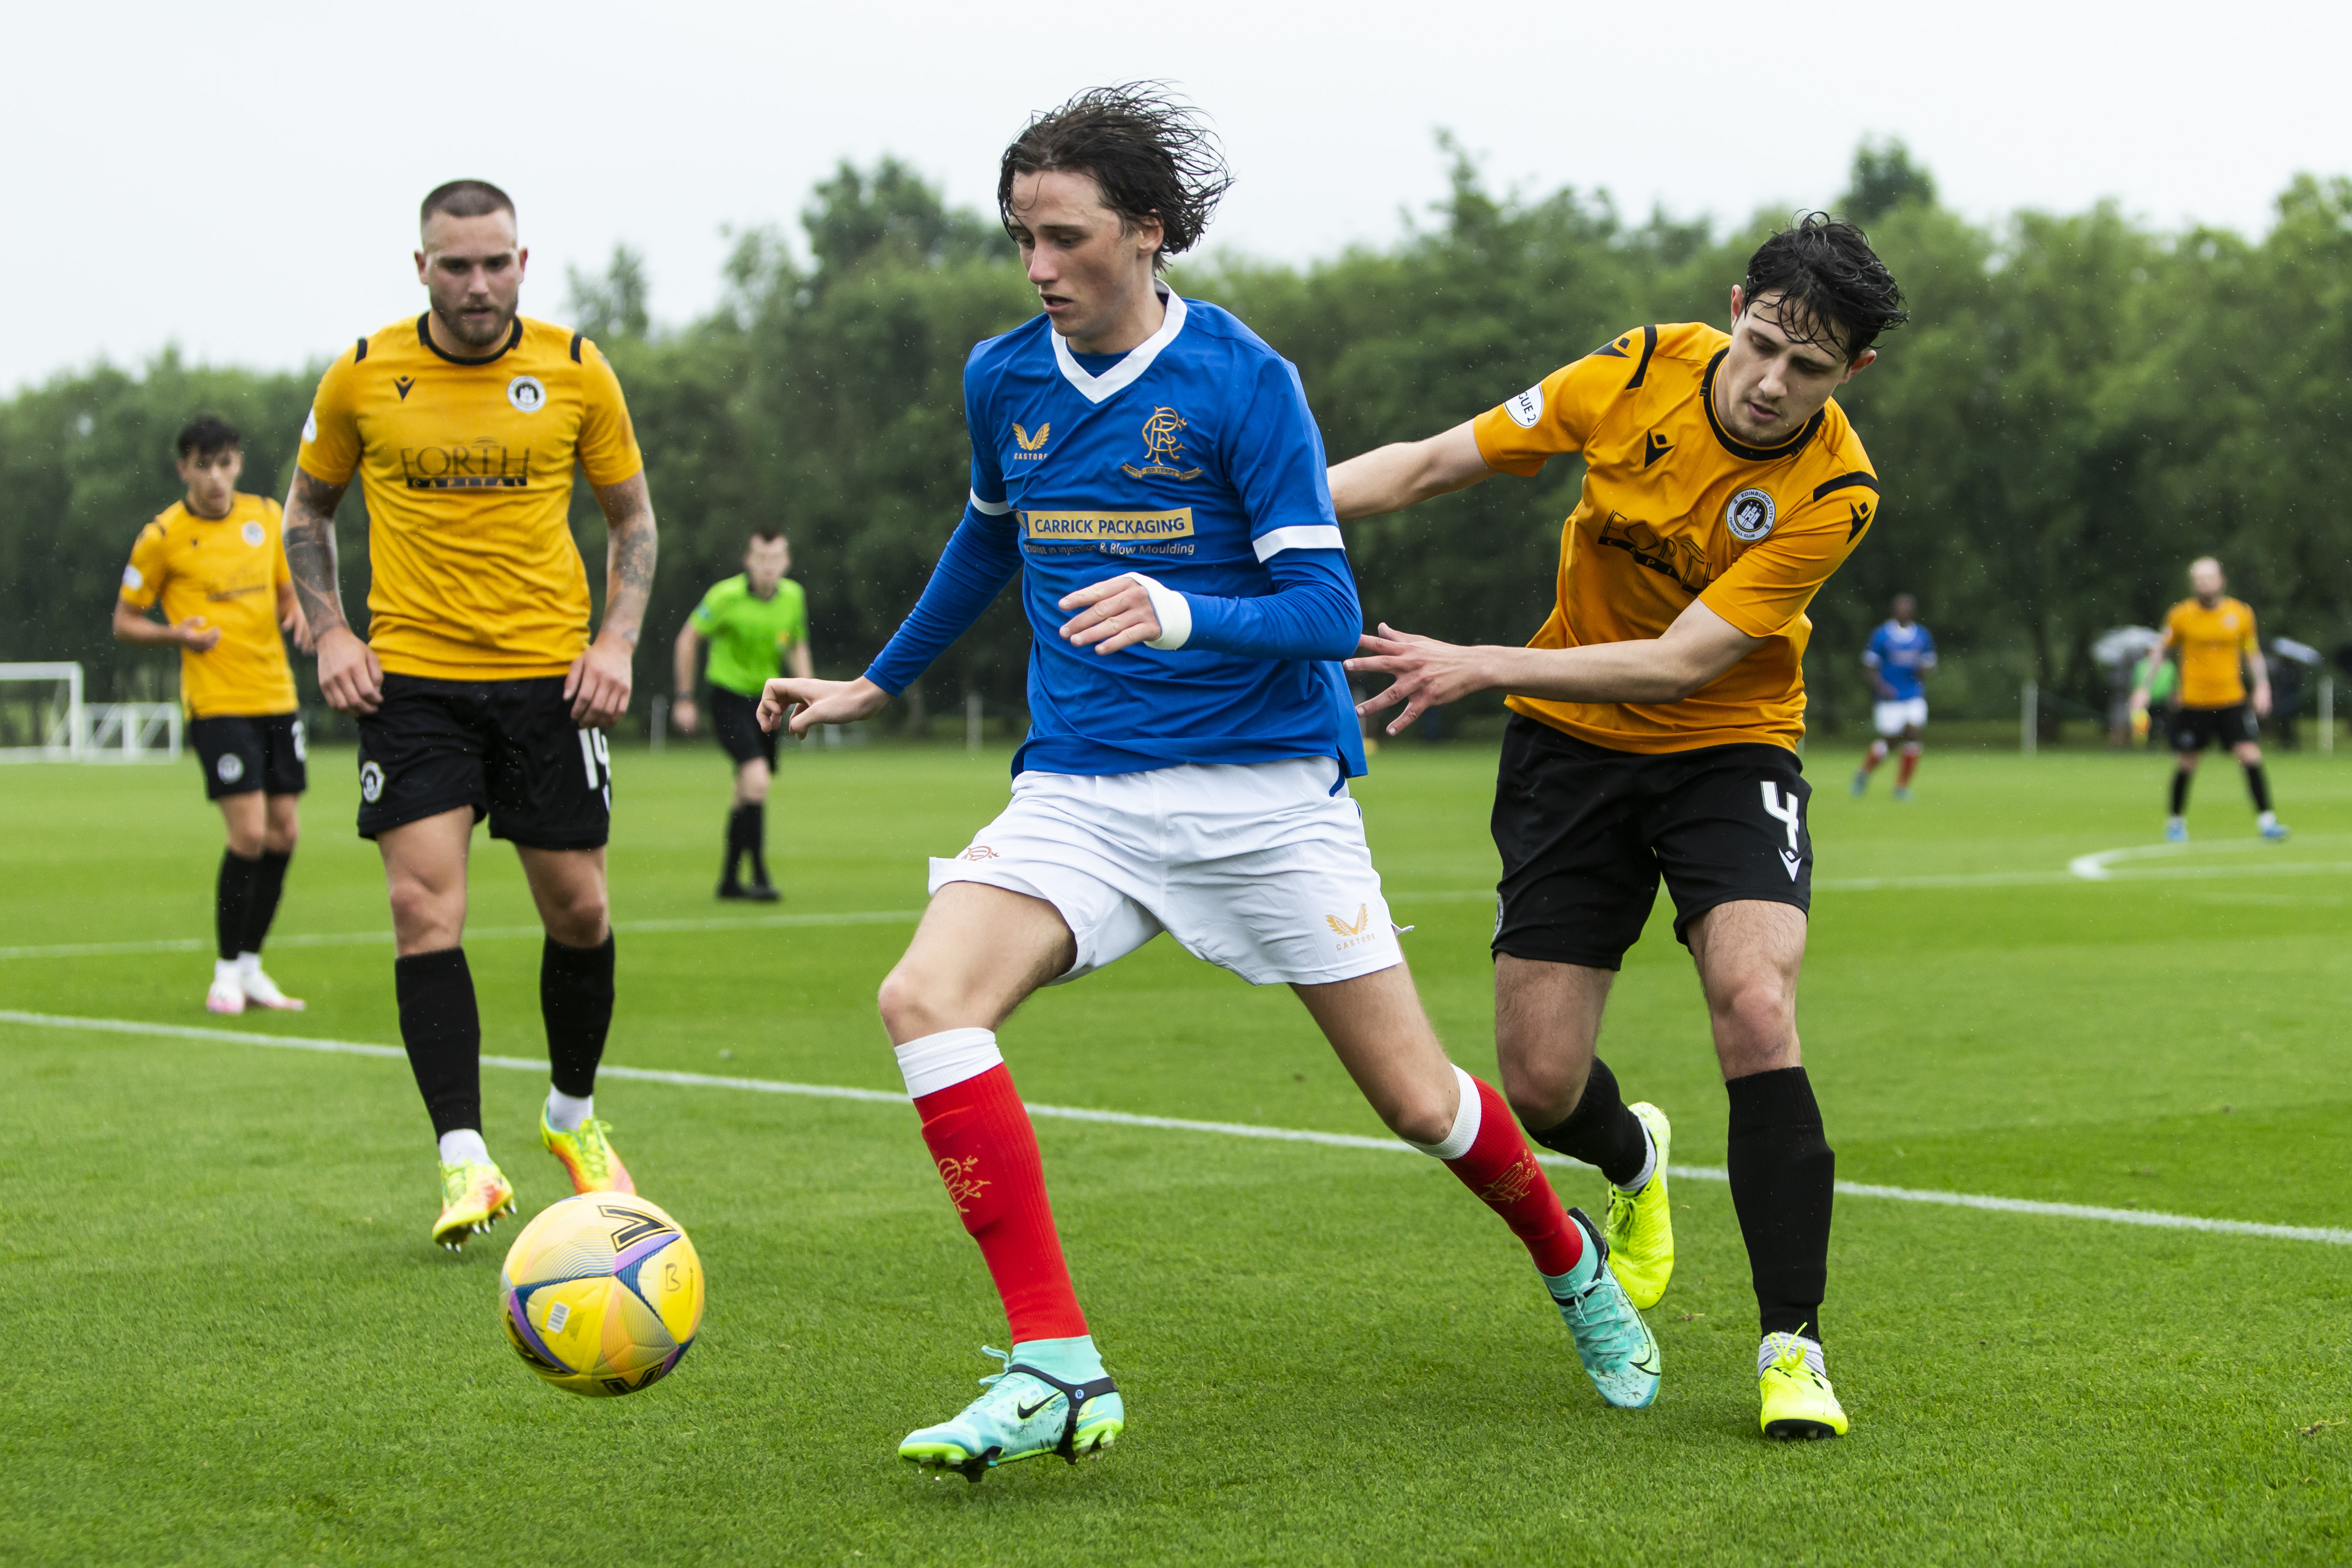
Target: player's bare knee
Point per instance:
(1542, 1091)
(913, 1004)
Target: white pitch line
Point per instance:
(2154, 1220)
(479, 933)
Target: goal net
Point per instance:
(43, 719)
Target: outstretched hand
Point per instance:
(1429, 674)
(1115, 614)
(805, 704)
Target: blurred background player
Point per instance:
(478, 691)
(216, 564)
(2213, 635)
(753, 620)
(1900, 653)
(1186, 769)
(1656, 717)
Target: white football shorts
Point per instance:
(1890, 717)
(1260, 868)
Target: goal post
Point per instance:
(43, 718)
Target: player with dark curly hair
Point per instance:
(1654, 728)
(1149, 468)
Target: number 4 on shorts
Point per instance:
(1784, 810)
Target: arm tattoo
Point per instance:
(311, 549)
(632, 543)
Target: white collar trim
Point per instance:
(1120, 376)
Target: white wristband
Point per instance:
(1174, 612)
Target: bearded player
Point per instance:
(1655, 719)
(477, 690)
(213, 565)
(1149, 469)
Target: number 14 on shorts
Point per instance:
(598, 761)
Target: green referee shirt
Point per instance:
(749, 634)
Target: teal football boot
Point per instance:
(1026, 1412)
(1620, 1353)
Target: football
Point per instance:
(602, 1293)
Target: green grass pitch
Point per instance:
(229, 1340)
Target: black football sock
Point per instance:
(755, 838)
(734, 845)
(2258, 785)
(268, 884)
(2180, 792)
(442, 1029)
(575, 1001)
(1783, 1180)
(1601, 1131)
(233, 900)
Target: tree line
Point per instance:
(2082, 403)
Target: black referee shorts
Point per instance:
(507, 748)
(1586, 833)
(735, 720)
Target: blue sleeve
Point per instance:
(987, 481)
(1312, 612)
(980, 560)
(1276, 465)
(1926, 643)
(1872, 654)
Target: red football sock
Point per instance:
(986, 1151)
(1502, 1170)
(1908, 766)
(1876, 754)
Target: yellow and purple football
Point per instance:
(602, 1293)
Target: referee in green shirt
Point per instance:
(752, 620)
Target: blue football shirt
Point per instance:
(1193, 460)
(1901, 653)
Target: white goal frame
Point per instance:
(79, 731)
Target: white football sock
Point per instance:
(1649, 1161)
(1769, 1351)
(2266, 820)
(249, 963)
(225, 972)
(566, 1113)
(1466, 1118)
(465, 1143)
(942, 1060)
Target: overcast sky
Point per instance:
(241, 178)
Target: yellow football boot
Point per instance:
(1798, 1400)
(473, 1195)
(1641, 1225)
(587, 1155)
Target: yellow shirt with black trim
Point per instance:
(2211, 644)
(228, 570)
(466, 466)
(1676, 509)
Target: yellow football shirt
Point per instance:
(2210, 643)
(466, 466)
(228, 571)
(1676, 509)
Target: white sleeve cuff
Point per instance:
(991, 508)
(1174, 610)
(1301, 536)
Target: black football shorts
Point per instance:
(1586, 833)
(735, 720)
(243, 753)
(2195, 728)
(507, 748)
